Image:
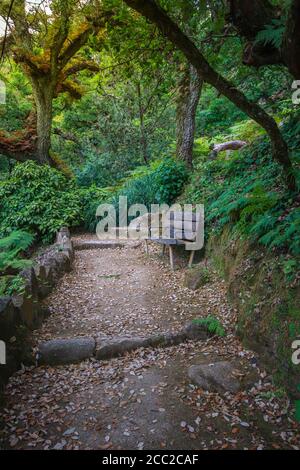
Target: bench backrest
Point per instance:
(178, 225)
(181, 225)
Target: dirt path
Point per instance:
(144, 400)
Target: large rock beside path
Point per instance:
(216, 377)
(66, 351)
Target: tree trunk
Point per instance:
(291, 40)
(154, 13)
(188, 99)
(143, 138)
(33, 142)
(43, 91)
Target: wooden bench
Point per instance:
(177, 229)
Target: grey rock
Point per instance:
(63, 262)
(66, 351)
(98, 244)
(163, 340)
(195, 331)
(215, 377)
(28, 309)
(31, 281)
(9, 318)
(44, 286)
(107, 348)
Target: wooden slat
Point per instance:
(185, 225)
(188, 216)
(184, 235)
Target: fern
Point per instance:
(10, 249)
(212, 324)
(272, 34)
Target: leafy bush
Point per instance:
(91, 198)
(11, 249)
(212, 324)
(38, 199)
(160, 184)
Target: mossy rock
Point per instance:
(197, 277)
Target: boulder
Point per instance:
(66, 351)
(217, 377)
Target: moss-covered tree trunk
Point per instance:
(43, 91)
(187, 102)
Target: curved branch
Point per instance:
(79, 66)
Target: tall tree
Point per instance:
(190, 87)
(187, 101)
(46, 42)
(151, 10)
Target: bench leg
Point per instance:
(191, 259)
(163, 250)
(171, 257)
(147, 248)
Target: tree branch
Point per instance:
(79, 66)
(6, 29)
(156, 15)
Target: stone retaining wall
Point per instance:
(23, 313)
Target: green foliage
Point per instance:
(38, 199)
(272, 34)
(212, 324)
(10, 249)
(10, 285)
(247, 194)
(91, 198)
(159, 184)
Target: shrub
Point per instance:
(38, 199)
(11, 249)
(91, 198)
(161, 183)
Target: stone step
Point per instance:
(74, 350)
(98, 244)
